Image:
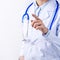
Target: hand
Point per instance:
(21, 58)
(38, 24)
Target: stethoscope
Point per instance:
(27, 15)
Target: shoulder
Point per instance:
(59, 11)
(59, 8)
(27, 3)
(58, 15)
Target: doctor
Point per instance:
(41, 31)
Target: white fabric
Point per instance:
(42, 47)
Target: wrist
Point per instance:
(45, 30)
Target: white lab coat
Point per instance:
(42, 47)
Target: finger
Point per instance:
(39, 28)
(35, 17)
(34, 22)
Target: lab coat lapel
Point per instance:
(49, 12)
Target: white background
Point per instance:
(10, 28)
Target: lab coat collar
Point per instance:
(50, 5)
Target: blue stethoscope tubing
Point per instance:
(53, 19)
(26, 14)
(54, 15)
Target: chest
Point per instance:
(46, 17)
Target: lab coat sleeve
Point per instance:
(51, 37)
(22, 48)
(22, 43)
